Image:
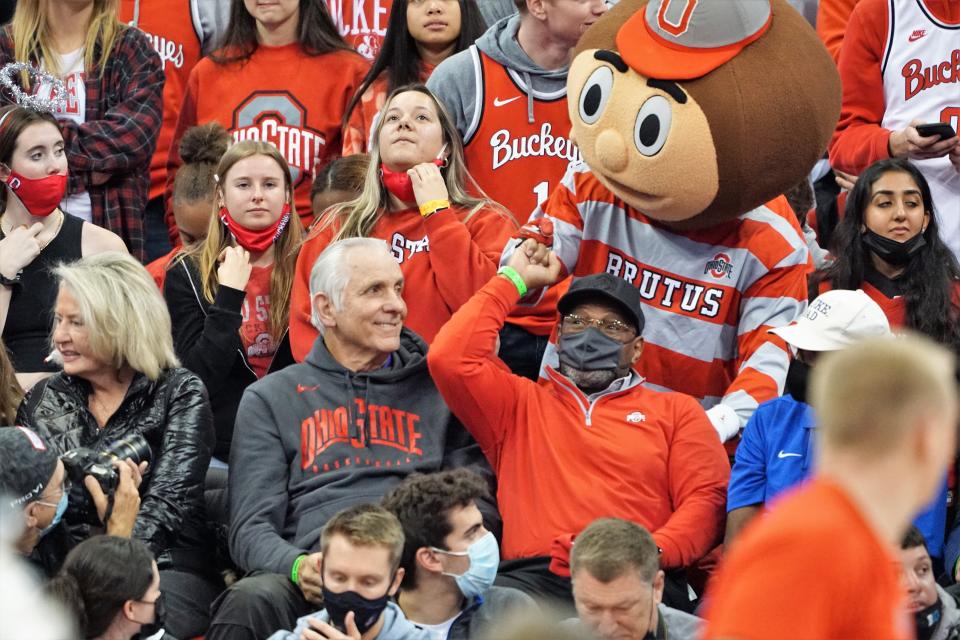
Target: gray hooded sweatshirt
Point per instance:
(395, 626)
(455, 80)
(315, 438)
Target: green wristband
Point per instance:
(511, 274)
(295, 570)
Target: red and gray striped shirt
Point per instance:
(710, 295)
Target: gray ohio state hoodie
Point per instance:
(315, 438)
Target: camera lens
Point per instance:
(134, 446)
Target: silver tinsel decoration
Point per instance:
(57, 99)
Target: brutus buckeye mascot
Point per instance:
(693, 117)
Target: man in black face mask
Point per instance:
(935, 611)
(360, 565)
(589, 440)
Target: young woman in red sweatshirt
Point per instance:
(448, 243)
(284, 76)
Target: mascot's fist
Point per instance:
(540, 230)
(724, 420)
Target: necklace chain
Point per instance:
(56, 232)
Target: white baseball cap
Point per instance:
(836, 320)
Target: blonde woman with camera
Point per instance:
(120, 378)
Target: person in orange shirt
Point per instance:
(447, 242)
(832, 18)
(822, 563)
(421, 35)
(284, 76)
(194, 190)
(590, 440)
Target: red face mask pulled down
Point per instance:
(400, 184)
(256, 240)
(40, 196)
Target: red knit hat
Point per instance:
(685, 39)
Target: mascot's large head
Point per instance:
(696, 111)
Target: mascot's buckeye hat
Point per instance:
(685, 39)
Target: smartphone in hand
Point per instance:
(942, 129)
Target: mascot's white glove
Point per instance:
(724, 420)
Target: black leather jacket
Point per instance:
(173, 415)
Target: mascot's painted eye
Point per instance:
(653, 125)
(595, 93)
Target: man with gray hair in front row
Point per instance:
(618, 585)
(342, 428)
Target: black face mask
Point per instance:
(798, 376)
(366, 612)
(159, 617)
(896, 253)
(927, 620)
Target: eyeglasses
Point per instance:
(65, 487)
(611, 328)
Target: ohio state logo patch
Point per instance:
(279, 118)
(719, 267)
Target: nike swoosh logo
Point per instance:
(913, 38)
(302, 389)
(497, 102)
(788, 455)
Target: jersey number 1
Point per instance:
(542, 190)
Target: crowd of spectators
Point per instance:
(250, 388)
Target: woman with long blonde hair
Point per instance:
(121, 381)
(448, 242)
(113, 110)
(229, 296)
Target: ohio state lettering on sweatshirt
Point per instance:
(315, 438)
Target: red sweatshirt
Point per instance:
(444, 261)
(280, 95)
(563, 460)
(832, 17)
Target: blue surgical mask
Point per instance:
(61, 509)
(484, 557)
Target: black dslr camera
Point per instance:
(82, 461)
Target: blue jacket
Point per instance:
(395, 626)
(776, 452)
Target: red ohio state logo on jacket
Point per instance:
(375, 425)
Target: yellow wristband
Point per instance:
(430, 207)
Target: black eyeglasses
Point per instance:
(612, 328)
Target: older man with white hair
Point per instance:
(344, 427)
